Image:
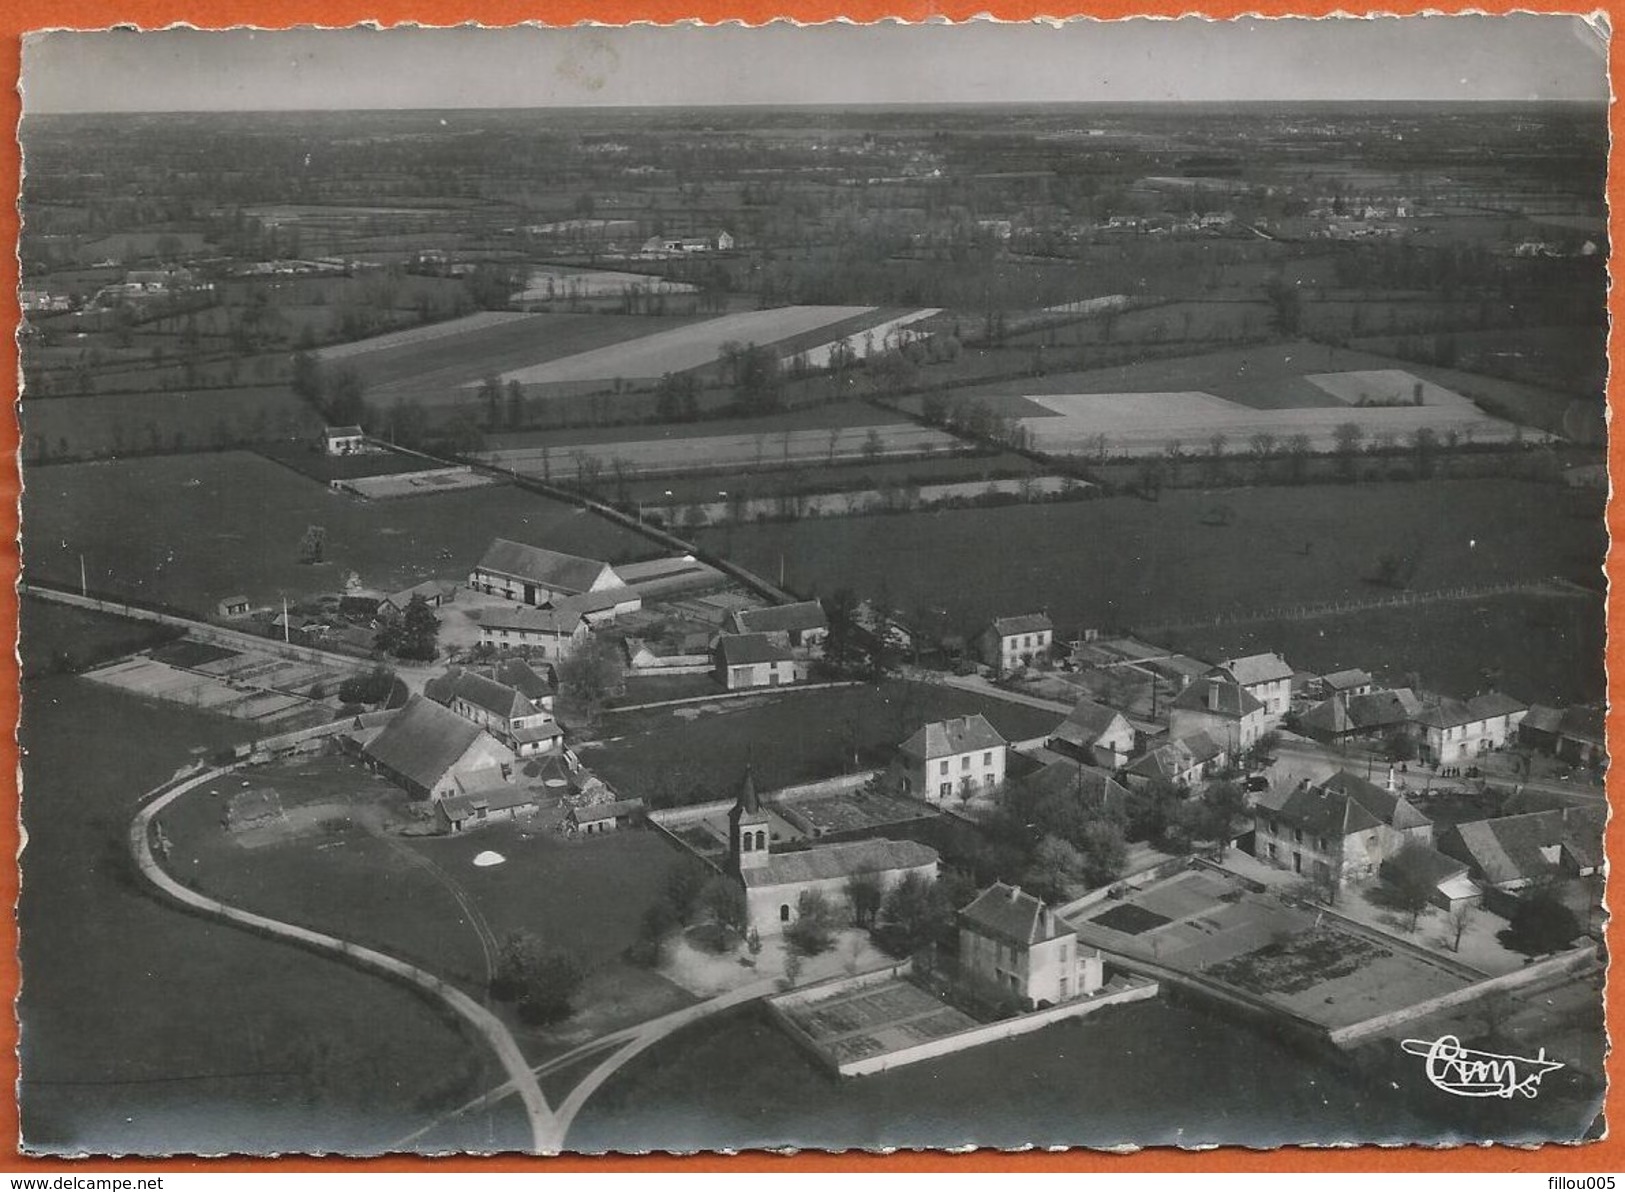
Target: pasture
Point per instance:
(696, 752)
(189, 530)
(178, 420)
(1123, 562)
(825, 416)
(692, 346)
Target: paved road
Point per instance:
(543, 1122)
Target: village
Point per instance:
(1029, 827)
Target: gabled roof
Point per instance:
(496, 698)
(429, 589)
(344, 432)
(1435, 867)
(1541, 719)
(595, 812)
(783, 618)
(443, 687)
(551, 568)
(1344, 679)
(558, 621)
(1329, 717)
(458, 808)
(943, 738)
(1011, 914)
(1087, 723)
(593, 602)
(1583, 724)
(827, 861)
(423, 741)
(1383, 709)
(747, 649)
(1026, 623)
(1344, 804)
(1510, 848)
(1256, 668)
(1174, 758)
(1091, 786)
(1216, 695)
(519, 675)
(1495, 703)
(1447, 713)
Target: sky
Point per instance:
(1521, 57)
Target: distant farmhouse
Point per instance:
(656, 246)
(344, 440)
(774, 882)
(535, 575)
(756, 660)
(962, 757)
(802, 626)
(1010, 643)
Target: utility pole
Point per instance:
(285, 638)
(84, 588)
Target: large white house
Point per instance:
(553, 633)
(1224, 710)
(1265, 677)
(962, 757)
(1454, 730)
(1010, 939)
(1010, 643)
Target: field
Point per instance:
(696, 752)
(191, 530)
(57, 638)
(308, 459)
(106, 424)
(827, 416)
(550, 284)
(739, 451)
(693, 346)
(1124, 562)
(414, 337)
(1540, 648)
(434, 365)
(140, 1017)
(870, 341)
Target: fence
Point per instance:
(1327, 608)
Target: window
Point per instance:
(946, 789)
(987, 758)
(761, 842)
(1274, 852)
(784, 912)
(964, 762)
(1297, 835)
(746, 844)
(944, 769)
(1321, 844)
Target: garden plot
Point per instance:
(1149, 423)
(683, 348)
(866, 343)
(731, 452)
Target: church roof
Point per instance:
(828, 861)
(748, 802)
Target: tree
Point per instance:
(1103, 852)
(1347, 436)
(843, 649)
(1224, 802)
(915, 913)
(1286, 305)
(417, 633)
(1461, 915)
(864, 893)
(590, 675)
(722, 903)
(551, 987)
(814, 929)
(1539, 924)
(516, 405)
(313, 546)
(1411, 881)
(1054, 866)
(371, 688)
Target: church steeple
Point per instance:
(749, 835)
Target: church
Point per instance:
(774, 881)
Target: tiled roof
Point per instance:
(1026, 623)
(1583, 724)
(1383, 709)
(344, 432)
(1344, 679)
(592, 602)
(827, 861)
(1210, 694)
(1330, 717)
(1009, 913)
(496, 698)
(943, 738)
(1542, 719)
(524, 679)
(1447, 713)
(1346, 803)
(429, 589)
(493, 798)
(423, 741)
(560, 622)
(1256, 668)
(551, 568)
(783, 618)
(594, 812)
(1093, 787)
(1087, 723)
(747, 649)
(1174, 758)
(1509, 849)
(1495, 703)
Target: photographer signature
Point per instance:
(1463, 1072)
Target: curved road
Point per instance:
(547, 1131)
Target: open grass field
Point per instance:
(143, 1023)
(696, 752)
(412, 337)
(1539, 648)
(56, 637)
(737, 1080)
(700, 343)
(738, 451)
(190, 530)
(1125, 562)
(437, 369)
(843, 477)
(116, 423)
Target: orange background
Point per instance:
(19, 16)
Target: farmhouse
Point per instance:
(964, 756)
(602, 607)
(1094, 733)
(1225, 711)
(802, 626)
(434, 593)
(535, 575)
(594, 819)
(1376, 714)
(1339, 831)
(344, 440)
(1345, 683)
(523, 726)
(1514, 852)
(1183, 761)
(481, 802)
(1010, 643)
(1267, 678)
(1453, 730)
(1011, 940)
(774, 882)
(755, 660)
(428, 751)
(233, 606)
(552, 632)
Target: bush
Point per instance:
(814, 929)
(371, 688)
(1539, 924)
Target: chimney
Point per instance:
(1015, 893)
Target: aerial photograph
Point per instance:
(669, 589)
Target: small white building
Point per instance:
(756, 660)
(344, 440)
(964, 757)
(1010, 643)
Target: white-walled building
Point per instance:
(959, 758)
